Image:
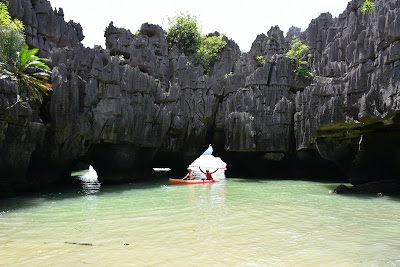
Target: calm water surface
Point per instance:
(237, 222)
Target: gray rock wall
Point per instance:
(45, 28)
(356, 57)
(19, 138)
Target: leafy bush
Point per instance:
(19, 63)
(207, 52)
(228, 75)
(6, 21)
(12, 38)
(367, 6)
(298, 55)
(184, 32)
(28, 72)
(11, 41)
(260, 60)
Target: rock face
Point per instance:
(357, 59)
(45, 28)
(138, 104)
(367, 150)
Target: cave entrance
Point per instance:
(175, 164)
(207, 161)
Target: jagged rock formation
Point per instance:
(45, 28)
(137, 104)
(356, 57)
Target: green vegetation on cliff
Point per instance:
(260, 60)
(298, 55)
(367, 7)
(29, 71)
(207, 52)
(19, 63)
(367, 124)
(12, 38)
(184, 32)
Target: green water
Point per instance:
(237, 222)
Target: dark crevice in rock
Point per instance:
(386, 43)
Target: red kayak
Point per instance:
(180, 181)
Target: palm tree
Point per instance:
(29, 72)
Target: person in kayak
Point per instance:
(189, 176)
(208, 174)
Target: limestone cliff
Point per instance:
(136, 103)
(356, 57)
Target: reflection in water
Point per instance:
(90, 184)
(89, 205)
(208, 202)
(207, 195)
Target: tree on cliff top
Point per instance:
(184, 32)
(19, 63)
(207, 52)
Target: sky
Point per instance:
(241, 21)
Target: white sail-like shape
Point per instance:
(90, 176)
(208, 162)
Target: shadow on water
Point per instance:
(327, 183)
(366, 196)
(331, 186)
(76, 187)
(369, 196)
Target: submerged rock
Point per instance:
(379, 188)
